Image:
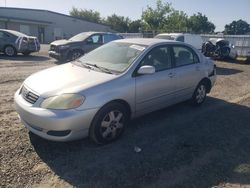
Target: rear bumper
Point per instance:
(29, 49)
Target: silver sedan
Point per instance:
(99, 93)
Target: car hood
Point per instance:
(60, 42)
(67, 78)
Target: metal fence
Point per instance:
(240, 42)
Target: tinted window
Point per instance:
(184, 56)
(159, 57)
(109, 38)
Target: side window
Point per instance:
(109, 38)
(95, 39)
(4, 35)
(184, 56)
(1, 35)
(159, 57)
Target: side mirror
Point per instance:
(146, 69)
(89, 41)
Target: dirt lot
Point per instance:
(182, 146)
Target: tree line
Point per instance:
(162, 18)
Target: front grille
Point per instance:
(28, 95)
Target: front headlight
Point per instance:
(63, 47)
(63, 102)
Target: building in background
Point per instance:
(46, 25)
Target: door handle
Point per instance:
(171, 74)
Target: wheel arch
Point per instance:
(123, 102)
(207, 83)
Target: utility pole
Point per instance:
(5, 2)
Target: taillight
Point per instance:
(25, 40)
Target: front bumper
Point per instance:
(56, 125)
(58, 56)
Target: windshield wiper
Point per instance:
(84, 64)
(100, 68)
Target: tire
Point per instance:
(109, 123)
(26, 53)
(225, 53)
(75, 55)
(10, 51)
(200, 94)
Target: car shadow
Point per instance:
(242, 61)
(32, 57)
(181, 146)
(226, 71)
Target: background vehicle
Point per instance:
(68, 50)
(192, 39)
(13, 42)
(219, 48)
(105, 88)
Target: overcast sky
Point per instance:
(220, 12)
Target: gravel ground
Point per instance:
(181, 146)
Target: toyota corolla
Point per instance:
(99, 93)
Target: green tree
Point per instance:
(89, 15)
(177, 21)
(118, 23)
(199, 23)
(135, 26)
(239, 27)
(154, 19)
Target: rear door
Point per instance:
(155, 91)
(187, 70)
(3, 40)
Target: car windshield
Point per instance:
(17, 33)
(114, 56)
(79, 37)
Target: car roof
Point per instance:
(16, 33)
(148, 41)
(96, 32)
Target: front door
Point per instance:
(155, 91)
(93, 42)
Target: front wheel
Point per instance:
(200, 94)
(75, 55)
(10, 51)
(109, 123)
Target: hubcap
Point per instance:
(112, 124)
(201, 93)
(9, 51)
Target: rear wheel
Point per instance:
(10, 51)
(109, 123)
(200, 94)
